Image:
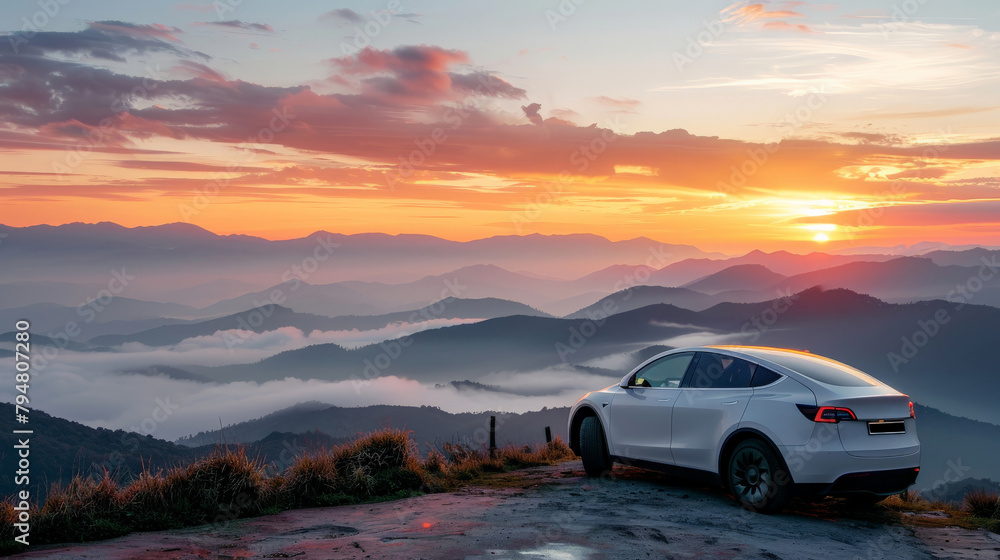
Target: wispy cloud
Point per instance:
(841, 60)
(619, 104)
(344, 14)
(236, 25)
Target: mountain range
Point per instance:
(272, 317)
(169, 257)
(855, 328)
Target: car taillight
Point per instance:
(831, 414)
(912, 413)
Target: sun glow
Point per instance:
(820, 227)
(821, 238)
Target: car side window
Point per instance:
(763, 376)
(668, 371)
(717, 371)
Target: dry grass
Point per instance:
(979, 510)
(463, 463)
(228, 485)
(981, 503)
(310, 477)
(376, 465)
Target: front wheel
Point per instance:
(757, 477)
(593, 447)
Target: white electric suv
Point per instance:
(766, 423)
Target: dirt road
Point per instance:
(551, 513)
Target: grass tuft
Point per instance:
(981, 503)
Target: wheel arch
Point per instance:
(585, 411)
(737, 437)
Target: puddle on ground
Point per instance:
(551, 551)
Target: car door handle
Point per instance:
(730, 402)
(663, 400)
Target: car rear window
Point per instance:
(822, 369)
(763, 376)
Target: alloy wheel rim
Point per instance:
(751, 477)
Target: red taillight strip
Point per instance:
(836, 418)
(913, 414)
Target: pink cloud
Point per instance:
(620, 105)
(421, 74)
(742, 12)
(785, 26)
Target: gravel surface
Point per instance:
(552, 513)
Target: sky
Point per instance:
(778, 125)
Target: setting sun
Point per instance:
(821, 237)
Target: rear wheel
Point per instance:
(757, 477)
(593, 447)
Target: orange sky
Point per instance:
(746, 145)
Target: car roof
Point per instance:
(761, 352)
(766, 355)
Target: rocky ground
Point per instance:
(553, 513)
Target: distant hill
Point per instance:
(641, 296)
(780, 262)
(736, 277)
(373, 298)
(15, 294)
(505, 344)
(93, 321)
(967, 257)
(900, 279)
(430, 426)
(173, 256)
(62, 449)
(9, 339)
(963, 448)
(274, 317)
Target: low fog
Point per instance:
(93, 387)
(168, 408)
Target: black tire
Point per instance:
(594, 448)
(757, 477)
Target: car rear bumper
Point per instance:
(876, 482)
(824, 466)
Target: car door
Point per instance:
(714, 396)
(640, 413)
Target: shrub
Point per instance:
(436, 463)
(146, 505)
(84, 509)
(981, 503)
(8, 516)
(377, 464)
(224, 486)
(308, 481)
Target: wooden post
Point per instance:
(548, 434)
(493, 437)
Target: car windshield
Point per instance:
(821, 369)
